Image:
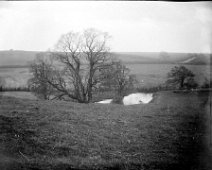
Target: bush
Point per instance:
(206, 84)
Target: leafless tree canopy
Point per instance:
(81, 56)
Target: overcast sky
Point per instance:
(134, 26)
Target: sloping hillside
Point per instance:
(198, 59)
(163, 58)
(22, 58)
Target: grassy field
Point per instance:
(14, 76)
(155, 74)
(148, 75)
(168, 133)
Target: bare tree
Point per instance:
(79, 58)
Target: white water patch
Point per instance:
(107, 101)
(137, 98)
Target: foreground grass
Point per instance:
(165, 134)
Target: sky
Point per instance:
(137, 26)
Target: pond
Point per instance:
(131, 99)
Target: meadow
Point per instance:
(148, 75)
(168, 133)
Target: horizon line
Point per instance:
(163, 51)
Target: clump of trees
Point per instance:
(80, 64)
(182, 78)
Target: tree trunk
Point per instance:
(182, 83)
(89, 90)
(90, 82)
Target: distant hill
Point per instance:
(15, 58)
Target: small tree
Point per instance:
(117, 77)
(41, 68)
(181, 77)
